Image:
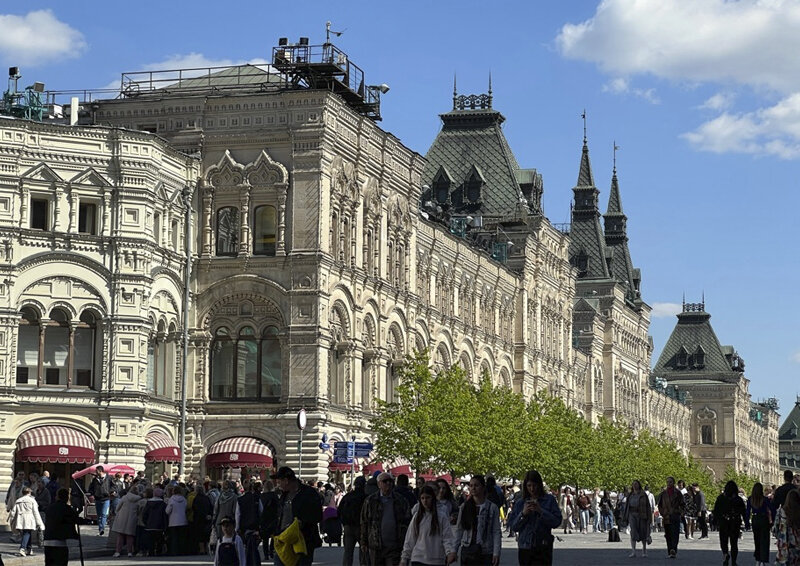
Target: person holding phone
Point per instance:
(533, 517)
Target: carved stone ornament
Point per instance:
(264, 172)
(226, 173)
(706, 414)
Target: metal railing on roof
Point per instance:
(228, 77)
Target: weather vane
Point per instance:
(583, 115)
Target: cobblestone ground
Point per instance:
(571, 550)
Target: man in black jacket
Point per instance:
(301, 502)
(59, 526)
(102, 489)
(350, 515)
(779, 498)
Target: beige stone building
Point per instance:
(322, 252)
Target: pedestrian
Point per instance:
(403, 488)
(606, 512)
(298, 502)
(670, 507)
(102, 490)
(429, 539)
(270, 505)
(142, 543)
(15, 490)
(59, 526)
(25, 518)
(758, 516)
(154, 516)
(639, 516)
(584, 507)
(566, 503)
(785, 488)
(125, 522)
(445, 502)
(230, 548)
(787, 529)
(729, 509)
(702, 510)
(42, 496)
(202, 512)
(350, 516)
(177, 523)
(225, 505)
(384, 519)
(690, 513)
(248, 520)
(478, 527)
(533, 517)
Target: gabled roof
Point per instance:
(692, 330)
(792, 422)
(617, 238)
(474, 138)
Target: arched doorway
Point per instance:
(240, 457)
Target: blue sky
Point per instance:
(702, 97)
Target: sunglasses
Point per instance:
(387, 481)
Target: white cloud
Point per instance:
(796, 357)
(190, 64)
(38, 37)
(664, 310)
(720, 101)
(773, 130)
(622, 86)
(751, 43)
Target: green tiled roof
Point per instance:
(617, 237)
(587, 247)
(692, 331)
(792, 421)
(474, 138)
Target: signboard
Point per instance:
(342, 460)
(363, 449)
(324, 446)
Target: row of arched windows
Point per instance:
(264, 230)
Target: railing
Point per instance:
(201, 78)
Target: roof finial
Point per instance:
(455, 91)
(704, 299)
(583, 115)
(684, 302)
(490, 88)
(616, 147)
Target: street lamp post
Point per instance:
(301, 424)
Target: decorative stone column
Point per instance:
(280, 247)
(207, 220)
(244, 221)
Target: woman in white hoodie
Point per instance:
(25, 518)
(178, 524)
(429, 538)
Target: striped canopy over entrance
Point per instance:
(239, 452)
(55, 444)
(161, 448)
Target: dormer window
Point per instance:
(682, 359)
(581, 263)
(441, 186)
(474, 185)
(699, 358)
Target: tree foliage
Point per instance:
(443, 421)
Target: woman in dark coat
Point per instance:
(155, 522)
(59, 526)
(729, 510)
(202, 512)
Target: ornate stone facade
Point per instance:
(314, 272)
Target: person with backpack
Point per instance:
(350, 516)
(230, 548)
(59, 526)
(270, 509)
(154, 517)
(759, 515)
(729, 510)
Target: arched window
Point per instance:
(228, 231)
(28, 347)
(246, 367)
(57, 351)
(707, 434)
(56, 348)
(264, 230)
(271, 363)
(161, 360)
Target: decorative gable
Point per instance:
(42, 172)
(90, 177)
(226, 173)
(473, 185)
(266, 172)
(442, 183)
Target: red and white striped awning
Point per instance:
(400, 466)
(161, 448)
(238, 452)
(53, 443)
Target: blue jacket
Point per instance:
(534, 528)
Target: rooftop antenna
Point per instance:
(616, 147)
(583, 115)
(490, 88)
(455, 91)
(329, 31)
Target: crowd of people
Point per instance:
(245, 523)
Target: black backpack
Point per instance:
(227, 554)
(613, 535)
(350, 508)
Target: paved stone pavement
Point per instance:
(571, 550)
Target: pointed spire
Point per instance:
(585, 176)
(614, 200)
